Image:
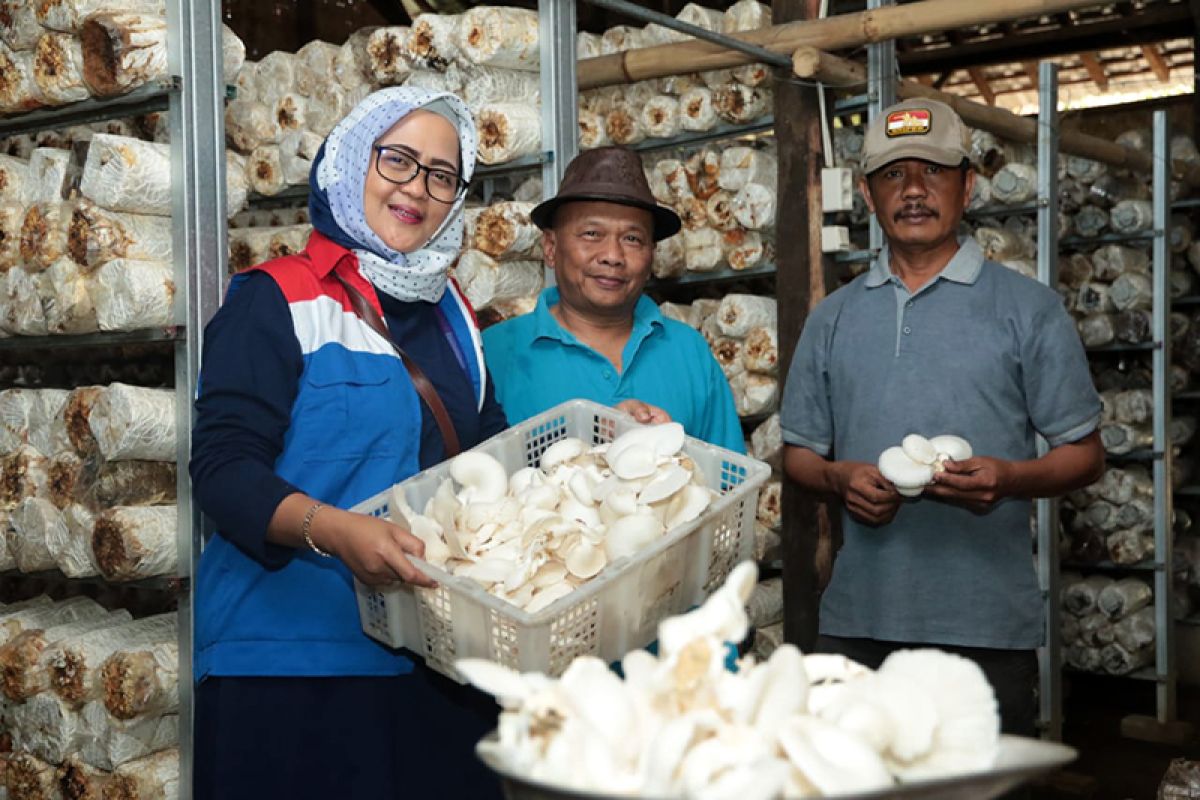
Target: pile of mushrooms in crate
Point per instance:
(535, 536)
(680, 724)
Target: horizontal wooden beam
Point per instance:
(831, 33)
(813, 64)
(1168, 21)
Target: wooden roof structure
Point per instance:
(1115, 52)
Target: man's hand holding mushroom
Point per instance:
(977, 483)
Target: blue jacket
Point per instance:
(354, 431)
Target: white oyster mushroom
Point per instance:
(909, 477)
(896, 716)
(525, 478)
(486, 570)
(585, 558)
(509, 687)
(630, 534)
(600, 700)
(549, 574)
(784, 690)
(919, 449)
(482, 477)
(444, 506)
(545, 597)
(561, 452)
(586, 515)
(437, 552)
(966, 737)
(686, 505)
(762, 780)
(722, 615)
(544, 496)
(633, 462)
(522, 597)
(667, 480)
(619, 503)
(950, 448)
(500, 512)
(681, 725)
(707, 761)
(667, 438)
(580, 485)
(832, 668)
(667, 748)
(832, 760)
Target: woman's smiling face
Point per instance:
(404, 216)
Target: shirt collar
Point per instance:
(963, 268)
(325, 254)
(645, 316)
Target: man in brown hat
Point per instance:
(594, 335)
(935, 339)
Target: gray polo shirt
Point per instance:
(981, 352)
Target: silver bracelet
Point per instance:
(306, 530)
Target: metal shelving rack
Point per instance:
(192, 98)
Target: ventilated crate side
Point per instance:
(614, 612)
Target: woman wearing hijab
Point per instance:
(305, 409)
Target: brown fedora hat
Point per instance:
(610, 174)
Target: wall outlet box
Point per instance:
(835, 238)
(837, 189)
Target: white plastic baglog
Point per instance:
(613, 613)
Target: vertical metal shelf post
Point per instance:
(1050, 654)
(196, 125)
(881, 93)
(1164, 620)
(560, 113)
(560, 91)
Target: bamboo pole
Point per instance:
(813, 64)
(830, 33)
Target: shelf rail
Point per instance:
(1050, 712)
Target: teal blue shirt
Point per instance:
(536, 364)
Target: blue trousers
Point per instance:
(406, 736)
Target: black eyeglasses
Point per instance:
(398, 167)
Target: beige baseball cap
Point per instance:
(926, 129)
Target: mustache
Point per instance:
(916, 208)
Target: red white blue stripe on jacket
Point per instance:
(354, 432)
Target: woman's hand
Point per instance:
(644, 412)
(375, 550)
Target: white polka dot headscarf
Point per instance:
(336, 200)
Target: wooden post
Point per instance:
(803, 278)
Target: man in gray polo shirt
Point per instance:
(935, 339)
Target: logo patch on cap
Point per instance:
(909, 122)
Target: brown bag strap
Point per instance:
(367, 313)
